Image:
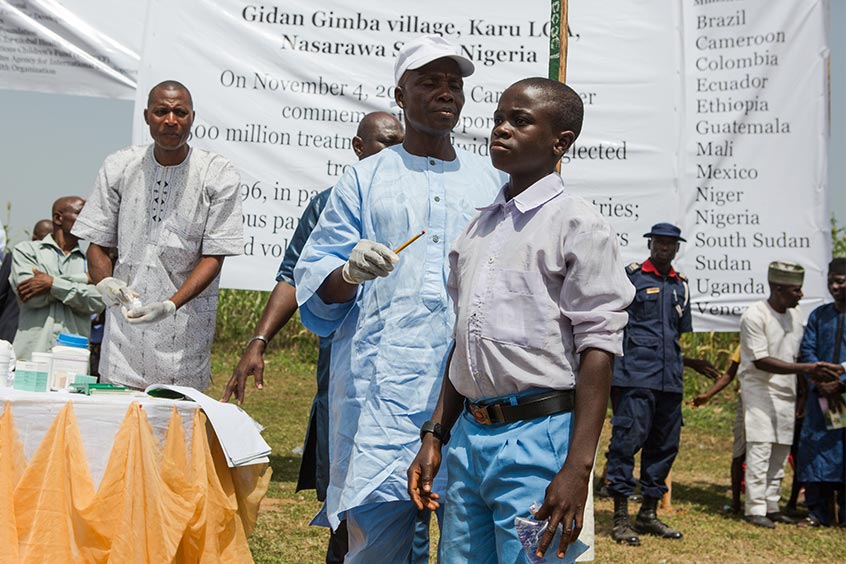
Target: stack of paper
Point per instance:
(238, 433)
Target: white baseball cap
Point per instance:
(426, 49)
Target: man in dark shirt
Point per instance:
(646, 390)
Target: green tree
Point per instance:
(838, 239)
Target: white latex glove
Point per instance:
(367, 261)
(150, 313)
(116, 292)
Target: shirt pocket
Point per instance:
(180, 246)
(642, 352)
(517, 310)
(645, 305)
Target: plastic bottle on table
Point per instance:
(70, 357)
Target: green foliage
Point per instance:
(716, 347)
(700, 479)
(838, 239)
(238, 314)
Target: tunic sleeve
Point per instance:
(98, 220)
(808, 348)
(329, 247)
(753, 336)
(224, 231)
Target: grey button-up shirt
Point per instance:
(535, 281)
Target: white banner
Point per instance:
(753, 174)
(71, 46)
(279, 89)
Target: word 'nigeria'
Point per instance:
(475, 52)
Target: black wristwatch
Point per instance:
(439, 431)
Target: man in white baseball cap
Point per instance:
(426, 49)
(392, 319)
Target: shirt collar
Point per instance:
(648, 267)
(49, 242)
(532, 197)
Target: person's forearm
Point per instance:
(702, 366)
(719, 385)
(336, 290)
(450, 402)
(281, 305)
(99, 264)
(778, 366)
(593, 386)
(198, 280)
(80, 297)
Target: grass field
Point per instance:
(700, 483)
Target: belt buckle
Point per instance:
(480, 414)
(483, 413)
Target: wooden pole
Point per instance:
(558, 41)
(564, 38)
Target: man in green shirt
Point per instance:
(51, 281)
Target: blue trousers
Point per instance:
(390, 531)
(648, 421)
(495, 473)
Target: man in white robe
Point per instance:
(172, 213)
(770, 335)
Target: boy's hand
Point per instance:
(564, 503)
(422, 472)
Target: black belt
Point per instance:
(528, 407)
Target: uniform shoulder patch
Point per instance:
(633, 267)
(682, 276)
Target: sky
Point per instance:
(52, 145)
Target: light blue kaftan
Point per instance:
(391, 341)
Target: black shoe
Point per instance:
(779, 517)
(795, 512)
(647, 521)
(603, 492)
(622, 532)
(759, 521)
(646, 525)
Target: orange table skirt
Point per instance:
(170, 500)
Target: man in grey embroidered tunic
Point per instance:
(172, 213)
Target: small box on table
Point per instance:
(29, 378)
